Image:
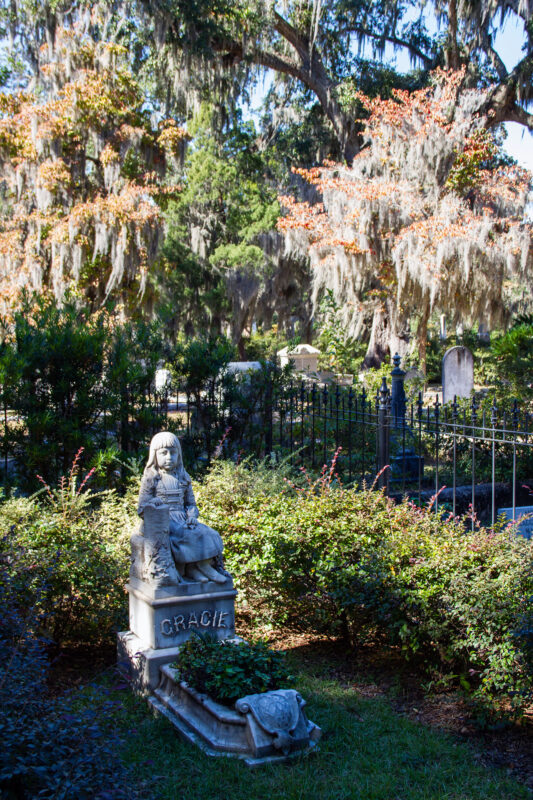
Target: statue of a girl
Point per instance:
(194, 545)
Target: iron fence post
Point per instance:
(516, 420)
(269, 416)
(474, 407)
(493, 422)
(437, 445)
(383, 436)
(455, 416)
(397, 394)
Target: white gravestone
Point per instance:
(457, 373)
(163, 379)
(524, 517)
(242, 367)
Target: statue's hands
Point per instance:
(192, 520)
(156, 502)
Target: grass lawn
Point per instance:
(368, 752)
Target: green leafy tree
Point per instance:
(59, 357)
(213, 251)
(338, 349)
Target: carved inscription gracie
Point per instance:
(182, 622)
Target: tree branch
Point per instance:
(310, 71)
(503, 104)
(428, 61)
(292, 36)
(494, 58)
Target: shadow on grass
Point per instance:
(368, 752)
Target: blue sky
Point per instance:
(519, 141)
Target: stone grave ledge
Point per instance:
(267, 728)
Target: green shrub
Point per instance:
(75, 380)
(75, 558)
(227, 670)
(352, 563)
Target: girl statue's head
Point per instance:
(164, 441)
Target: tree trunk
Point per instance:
(389, 335)
(422, 339)
(453, 59)
(378, 346)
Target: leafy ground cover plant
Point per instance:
(352, 563)
(51, 747)
(227, 670)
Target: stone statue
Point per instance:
(196, 549)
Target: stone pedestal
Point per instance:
(161, 619)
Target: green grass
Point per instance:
(368, 752)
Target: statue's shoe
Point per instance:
(196, 574)
(211, 573)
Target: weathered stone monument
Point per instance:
(178, 586)
(303, 357)
(457, 373)
(177, 582)
(483, 333)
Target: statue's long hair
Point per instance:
(165, 439)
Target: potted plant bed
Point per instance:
(257, 726)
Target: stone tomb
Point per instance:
(457, 374)
(267, 727)
(303, 357)
(164, 609)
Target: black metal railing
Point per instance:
(465, 455)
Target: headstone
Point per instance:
(442, 331)
(163, 379)
(304, 357)
(242, 367)
(483, 333)
(524, 517)
(457, 373)
(414, 383)
(414, 376)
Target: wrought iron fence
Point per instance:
(467, 450)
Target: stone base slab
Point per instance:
(142, 664)
(187, 735)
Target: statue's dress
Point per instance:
(188, 545)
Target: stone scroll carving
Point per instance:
(280, 715)
(151, 556)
